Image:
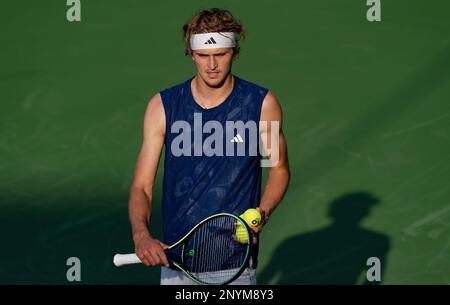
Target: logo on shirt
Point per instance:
(237, 139)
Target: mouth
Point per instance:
(212, 74)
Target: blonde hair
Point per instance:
(212, 20)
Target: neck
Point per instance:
(208, 96)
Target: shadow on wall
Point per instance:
(336, 254)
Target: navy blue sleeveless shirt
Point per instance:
(211, 165)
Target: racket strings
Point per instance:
(213, 254)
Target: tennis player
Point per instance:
(219, 130)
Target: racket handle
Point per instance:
(126, 259)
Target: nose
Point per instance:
(212, 63)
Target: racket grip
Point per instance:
(126, 259)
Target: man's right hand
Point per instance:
(150, 251)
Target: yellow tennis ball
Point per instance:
(241, 233)
(252, 217)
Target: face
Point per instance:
(213, 65)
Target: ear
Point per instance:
(235, 54)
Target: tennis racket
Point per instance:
(213, 252)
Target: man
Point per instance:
(203, 174)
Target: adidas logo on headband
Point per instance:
(214, 40)
(210, 41)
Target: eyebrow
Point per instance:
(204, 54)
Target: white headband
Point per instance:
(213, 40)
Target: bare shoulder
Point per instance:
(155, 120)
(271, 108)
(155, 105)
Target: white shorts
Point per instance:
(175, 277)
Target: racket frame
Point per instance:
(241, 268)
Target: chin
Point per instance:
(214, 82)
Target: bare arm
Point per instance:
(279, 174)
(149, 250)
